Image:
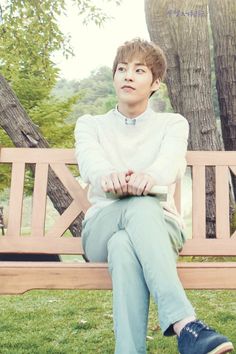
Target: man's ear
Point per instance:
(156, 85)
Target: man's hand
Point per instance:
(139, 183)
(116, 183)
(127, 183)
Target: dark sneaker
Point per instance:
(197, 338)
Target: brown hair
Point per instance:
(150, 53)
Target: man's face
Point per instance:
(133, 82)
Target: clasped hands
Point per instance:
(127, 183)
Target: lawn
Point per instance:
(69, 322)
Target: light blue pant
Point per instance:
(141, 246)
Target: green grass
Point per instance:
(69, 322)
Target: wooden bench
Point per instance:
(18, 277)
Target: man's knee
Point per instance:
(118, 243)
(119, 249)
(143, 207)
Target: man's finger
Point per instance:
(141, 187)
(116, 183)
(129, 172)
(123, 183)
(109, 184)
(104, 184)
(132, 188)
(148, 187)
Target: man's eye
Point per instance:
(140, 71)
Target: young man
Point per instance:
(122, 155)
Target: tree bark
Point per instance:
(223, 25)
(181, 30)
(24, 133)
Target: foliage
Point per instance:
(233, 222)
(92, 12)
(50, 116)
(4, 170)
(97, 94)
(29, 36)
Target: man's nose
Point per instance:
(129, 75)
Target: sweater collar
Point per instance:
(132, 121)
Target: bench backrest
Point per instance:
(56, 241)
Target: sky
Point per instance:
(94, 46)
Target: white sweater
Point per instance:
(153, 143)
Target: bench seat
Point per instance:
(16, 278)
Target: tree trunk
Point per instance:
(181, 30)
(223, 25)
(24, 133)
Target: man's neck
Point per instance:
(131, 111)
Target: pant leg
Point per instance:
(144, 221)
(130, 296)
(104, 240)
(99, 229)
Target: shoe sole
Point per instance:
(223, 348)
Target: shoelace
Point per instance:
(196, 327)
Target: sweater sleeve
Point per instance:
(170, 163)
(89, 153)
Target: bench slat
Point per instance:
(73, 187)
(72, 245)
(210, 247)
(63, 221)
(177, 195)
(39, 200)
(57, 155)
(27, 244)
(33, 275)
(211, 158)
(35, 155)
(222, 202)
(198, 202)
(16, 199)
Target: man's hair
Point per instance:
(148, 52)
